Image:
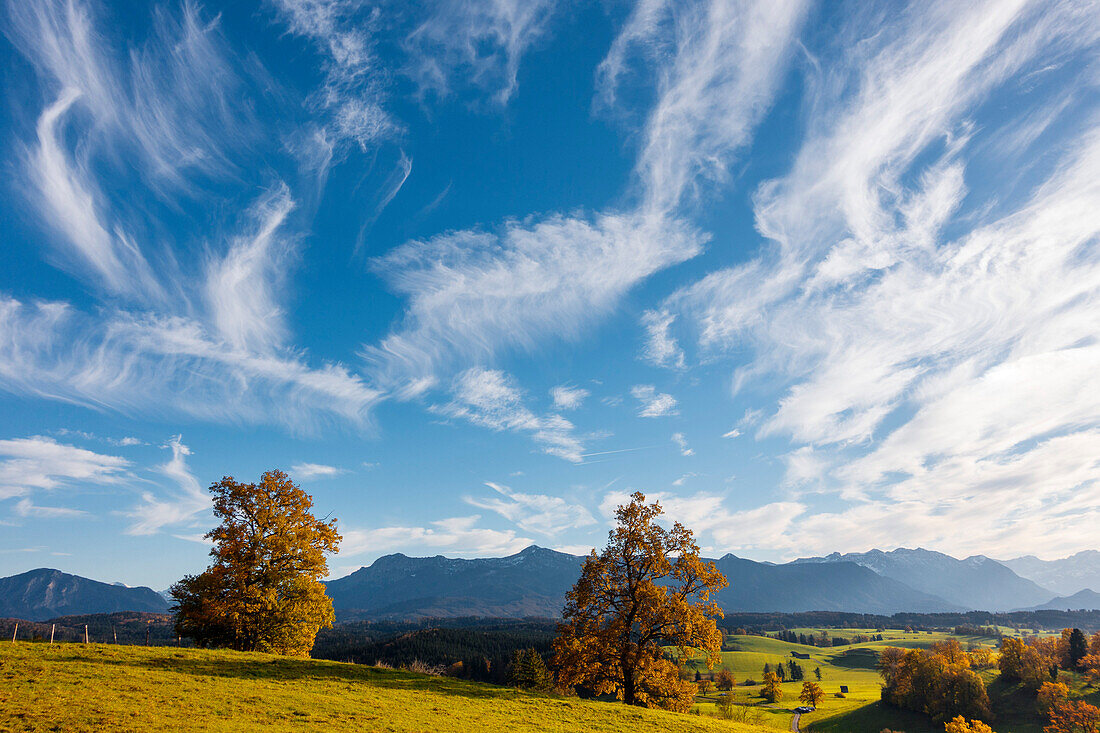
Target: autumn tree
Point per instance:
(772, 692)
(935, 681)
(812, 694)
(959, 724)
(1090, 665)
(263, 591)
(1051, 694)
(1074, 717)
(981, 657)
(724, 680)
(647, 590)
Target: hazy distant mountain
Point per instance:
(535, 581)
(977, 583)
(1086, 599)
(839, 586)
(1065, 576)
(41, 594)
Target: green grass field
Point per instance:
(860, 710)
(70, 687)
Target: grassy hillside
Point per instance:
(129, 688)
(860, 710)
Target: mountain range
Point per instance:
(1086, 598)
(975, 583)
(41, 594)
(534, 583)
(1065, 576)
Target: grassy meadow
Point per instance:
(70, 687)
(860, 710)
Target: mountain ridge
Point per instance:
(44, 593)
(1065, 576)
(976, 582)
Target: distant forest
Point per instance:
(480, 648)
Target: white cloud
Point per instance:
(140, 363)
(68, 203)
(306, 471)
(732, 433)
(154, 513)
(720, 63)
(480, 40)
(472, 293)
(654, 403)
(25, 508)
(353, 92)
(38, 463)
(492, 399)
(716, 527)
(547, 515)
(682, 444)
(568, 398)
(239, 286)
(661, 347)
(455, 536)
(931, 343)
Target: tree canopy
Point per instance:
(647, 590)
(263, 591)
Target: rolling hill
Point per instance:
(37, 595)
(101, 687)
(975, 583)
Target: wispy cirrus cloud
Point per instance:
(135, 364)
(717, 528)
(155, 512)
(682, 444)
(306, 471)
(36, 464)
(547, 515)
(491, 399)
(652, 402)
(354, 88)
(718, 67)
(241, 287)
(455, 535)
(566, 397)
(661, 347)
(901, 306)
(476, 42)
(474, 293)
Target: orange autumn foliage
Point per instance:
(263, 591)
(648, 589)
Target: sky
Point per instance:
(820, 276)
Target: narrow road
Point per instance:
(794, 722)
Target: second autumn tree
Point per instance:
(647, 591)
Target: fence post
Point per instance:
(15, 632)
(85, 633)
(114, 634)
(53, 627)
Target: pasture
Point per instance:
(72, 687)
(853, 666)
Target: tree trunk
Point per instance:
(629, 690)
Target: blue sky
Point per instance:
(820, 276)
